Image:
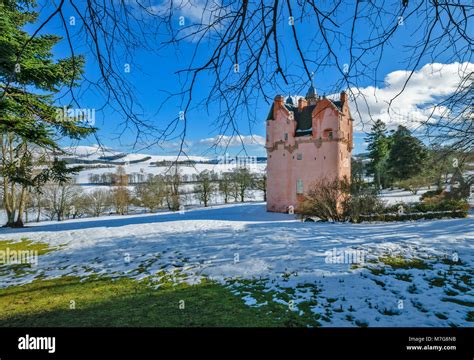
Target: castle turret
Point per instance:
(302, 103)
(343, 98)
(312, 95)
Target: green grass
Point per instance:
(403, 277)
(470, 316)
(265, 299)
(379, 282)
(127, 302)
(361, 323)
(459, 302)
(451, 262)
(377, 271)
(460, 288)
(25, 244)
(390, 312)
(451, 292)
(438, 281)
(441, 316)
(399, 262)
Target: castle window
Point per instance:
(328, 134)
(299, 186)
(299, 156)
(286, 136)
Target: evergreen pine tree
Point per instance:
(407, 155)
(29, 118)
(378, 152)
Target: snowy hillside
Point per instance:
(98, 161)
(110, 155)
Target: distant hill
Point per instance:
(107, 156)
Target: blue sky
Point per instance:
(153, 73)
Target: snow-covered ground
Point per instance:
(395, 196)
(390, 197)
(287, 257)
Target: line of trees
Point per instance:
(67, 200)
(398, 158)
(167, 190)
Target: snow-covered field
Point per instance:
(390, 197)
(398, 196)
(291, 260)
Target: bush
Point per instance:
(431, 194)
(417, 211)
(444, 205)
(326, 200)
(460, 193)
(362, 204)
(414, 184)
(331, 201)
(413, 216)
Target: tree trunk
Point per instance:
(38, 215)
(21, 208)
(9, 190)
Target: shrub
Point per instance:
(332, 201)
(432, 193)
(413, 216)
(362, 204)
(414, 184)
(326, 200)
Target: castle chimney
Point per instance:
(279, 100)
(343, 97)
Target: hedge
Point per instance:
(413, 216)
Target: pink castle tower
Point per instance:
(306, 142)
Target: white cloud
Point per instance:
(415, 104)
(197, 15)
(235, 140)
